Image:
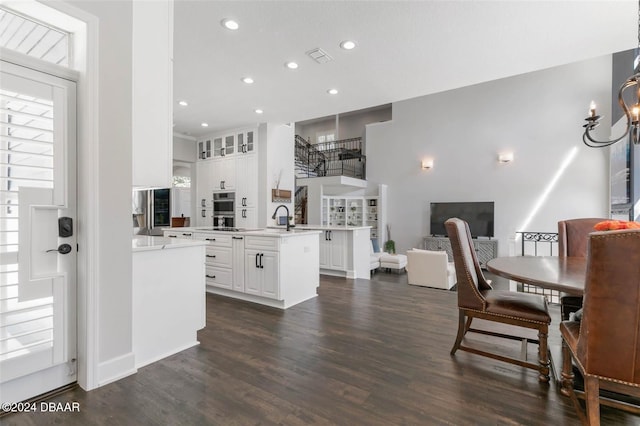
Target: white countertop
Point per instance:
(266, 232)
(281, 232)
(332, 227)
(147, 242)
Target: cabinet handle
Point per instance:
(257, 256)
(237, 238)
(210, 239)
(210, 276)
(186, 234)
(172, 236)
(211, 255)
(261, 254)
(330, 235)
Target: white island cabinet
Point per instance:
(272, 267)
(168, 296)
(344, 250)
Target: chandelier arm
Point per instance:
(601, 144)
(631, 81)
(591, 142)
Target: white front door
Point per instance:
(38, 231)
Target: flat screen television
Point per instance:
(479, 216)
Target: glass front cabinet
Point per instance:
(351, 211)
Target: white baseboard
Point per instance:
(116, 369)
(172, 351)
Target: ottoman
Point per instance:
(393, 261)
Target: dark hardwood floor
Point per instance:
(361, 353)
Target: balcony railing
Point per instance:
(539, 244)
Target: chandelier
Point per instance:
(631, 112)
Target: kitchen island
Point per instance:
(344, 250)
(273, 267)
(168, 296)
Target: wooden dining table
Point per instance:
(566, 274)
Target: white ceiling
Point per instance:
(405, 49)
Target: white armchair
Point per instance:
(430, 269)
(374, 257)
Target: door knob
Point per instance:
(62, 249)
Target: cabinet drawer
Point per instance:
(178, 234)
(220, 240)
(262, 243)
(219, 256)
(219, 277)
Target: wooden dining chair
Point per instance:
(573, 235)
(605, 344)
(477, 299)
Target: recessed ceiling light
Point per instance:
(332, 91)
(259, 111)
(230, 24)
(348, 44)
(183, 103)
(291, 65)
(247, 80)
(204, 124)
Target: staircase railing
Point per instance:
(335, 158)
(300, 204)
(309, 157)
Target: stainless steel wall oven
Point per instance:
(224, 209)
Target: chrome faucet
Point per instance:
(287, 209)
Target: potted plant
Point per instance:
(390, 247)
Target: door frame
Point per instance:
(85, 74)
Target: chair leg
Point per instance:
(592, 394)
(461, 331)
(567, 371)
(543, 354)
(468, 325)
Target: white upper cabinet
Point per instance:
(152, 103)
(245, 142)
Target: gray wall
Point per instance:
(350, 125)
(353, 125)
(538, 116)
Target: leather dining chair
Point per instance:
(573, 235)
(477, 299)
(605, 344)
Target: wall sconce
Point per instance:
(427, 163)
(506, 157)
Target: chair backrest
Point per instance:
(468, 273)
(573, 235)
(609, 342)
(427, 267)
